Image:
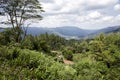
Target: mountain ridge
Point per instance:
(71, 32)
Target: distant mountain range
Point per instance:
(113, 29)
(71, 32)
(108, 30)
(66, 31)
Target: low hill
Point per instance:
(113, 29)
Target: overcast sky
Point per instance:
(86, 14)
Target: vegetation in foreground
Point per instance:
(37, 58)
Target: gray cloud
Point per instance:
(89, 14)
(82, 13)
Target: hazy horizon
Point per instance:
(87, 14)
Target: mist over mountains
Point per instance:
(71, 32)
(66, 31)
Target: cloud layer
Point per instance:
(88, 14)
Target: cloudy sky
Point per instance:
(86, 14)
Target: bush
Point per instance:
(68, 54)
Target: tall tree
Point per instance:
(17, 12)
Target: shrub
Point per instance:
(68, 54)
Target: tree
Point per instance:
(17, 12)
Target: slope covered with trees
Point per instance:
(37, 58)
(51, 57)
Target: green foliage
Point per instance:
(5, 37)
(67, 54)
(81, 47)
(87, 71)
(6, 54)
(23, 57)
(28, 42)
(44, 42)
(33, 65)
(100, 58)
(55, 42)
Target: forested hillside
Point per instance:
(49, 56)
(38, 57)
